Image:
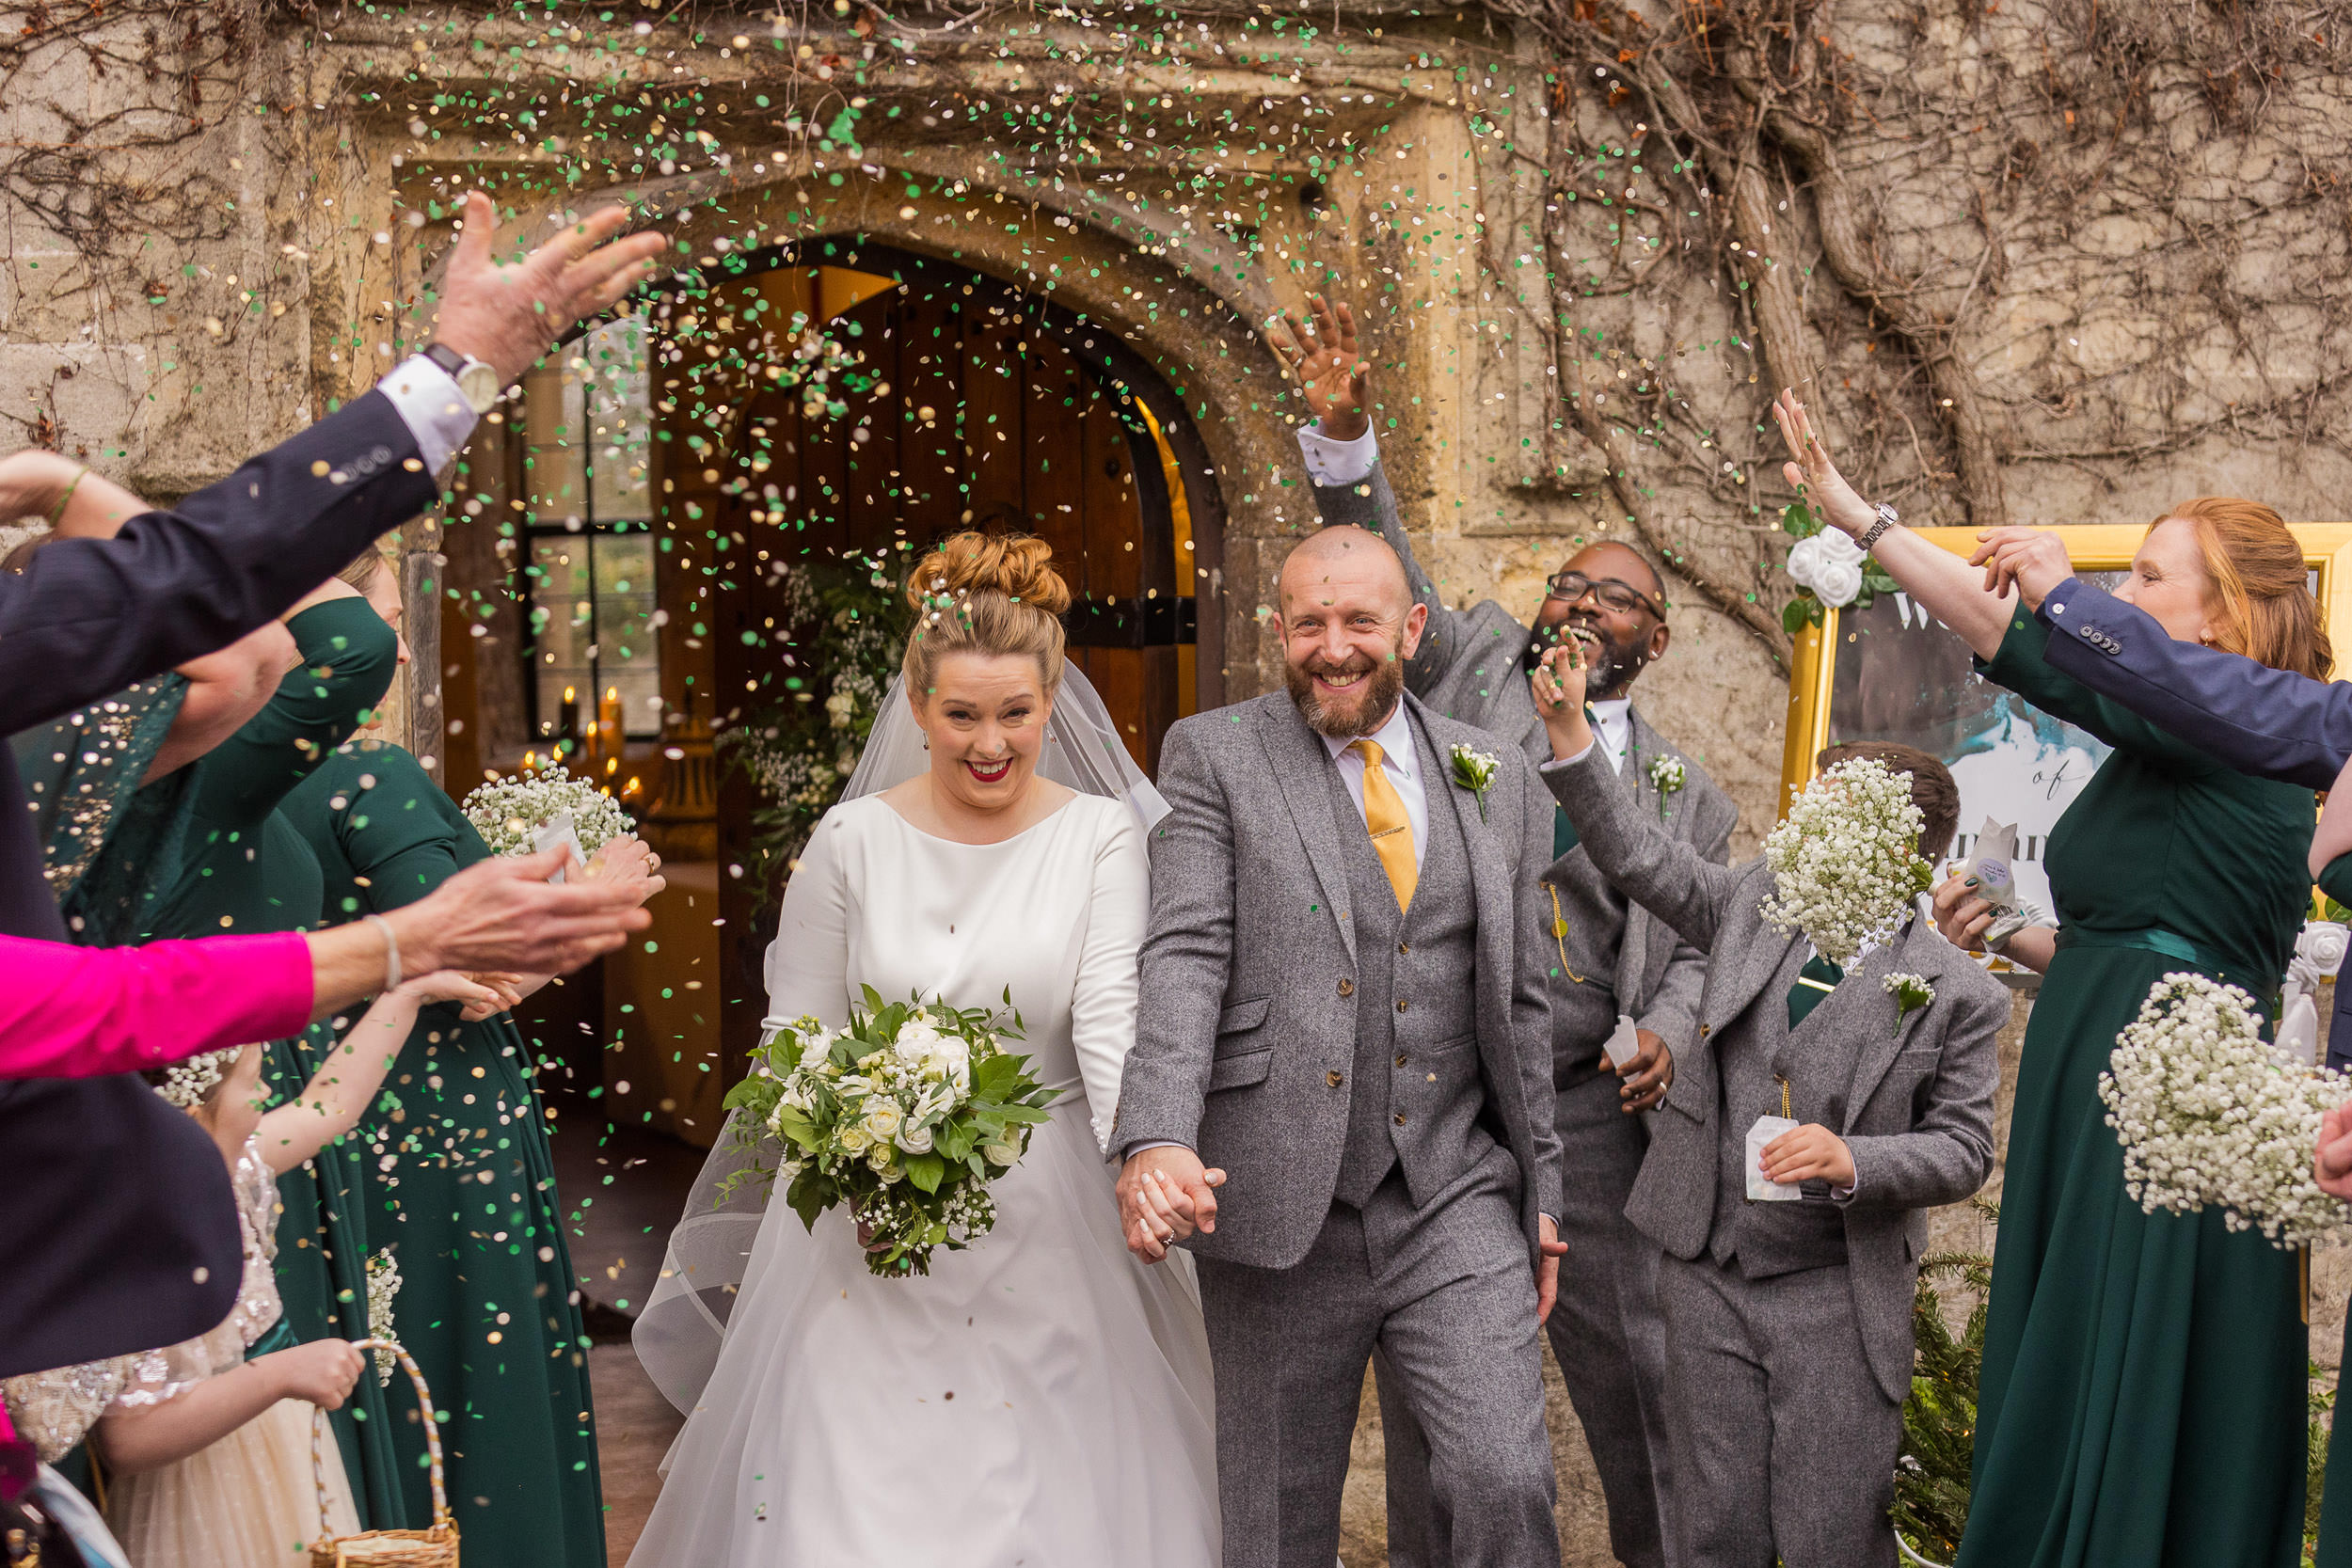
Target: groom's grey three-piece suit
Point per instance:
(1612, 957)
(1377, 1084)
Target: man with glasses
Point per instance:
(1614, 960)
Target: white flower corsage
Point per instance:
(1911, 992)
(1475, 771)
(1666, 777)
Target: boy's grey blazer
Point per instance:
(1918, 1115)
(1245, 1030)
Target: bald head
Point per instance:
(1347, 562)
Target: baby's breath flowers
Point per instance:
(1911, 993)
(904, 1117)
(1846, 862)
(2211, 1116)
(509, 813)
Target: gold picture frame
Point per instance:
(2091, 548)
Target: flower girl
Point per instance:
(209, 1445)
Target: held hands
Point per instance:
(1814, 474)
(320, 1373)
(1558, 685)
(1811, 1151)
(2331, 1166)
(449, 985)
(507, 313)
(1323, 355)
(2031, 560)
(1164, 1194)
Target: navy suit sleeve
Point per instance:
(2271, 723)
(89, 616)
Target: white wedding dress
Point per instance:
(1042, 1398)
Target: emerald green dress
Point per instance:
(468, 1202)
(243, 870)
(2142, 1394)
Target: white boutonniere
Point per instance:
(1911, 992)
(1474, 771)
(1665, 776)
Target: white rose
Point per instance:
(2322, 944)
(1804, 559)
(882, 1121)
(853, 1140)
(916, 1140)
(917, 1042)
(1001, 1154)
(1838, 548)
(1837, 581)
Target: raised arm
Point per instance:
(88, 1012)
(225, 690)
(348, 656)
(338, 1095)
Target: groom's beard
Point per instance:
(1384, 682)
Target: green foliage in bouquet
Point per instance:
(849, 626)
(903, 1119)
(1932, 1473)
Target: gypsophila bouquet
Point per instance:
(509, 813)
(383, 1289)
(904, 1118)
(2211, 1116)
(1846, 862)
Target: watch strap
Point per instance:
(1877, 531)
(447, 357)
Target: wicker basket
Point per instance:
(436, 1547)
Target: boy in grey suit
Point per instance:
(1788, 1344)
(1609, 956)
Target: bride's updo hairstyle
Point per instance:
(985, 594)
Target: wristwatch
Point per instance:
(1878, 530)
(477, 382)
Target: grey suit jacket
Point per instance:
(1246, 1030)
(1919, 1113)
(1469, 667)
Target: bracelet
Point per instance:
(1877, 530)
(58, 512)
(392, 950)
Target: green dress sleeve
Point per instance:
(2335, 878)
(397, 830)
(348, 659)
(2019, 665)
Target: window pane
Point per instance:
(563, 628)
(555, 480)
(629, 649)
(619, 423)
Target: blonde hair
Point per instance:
(985, 594)
(362, 570)
(2259, 585)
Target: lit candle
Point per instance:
(567, 724)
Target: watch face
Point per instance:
(479, 383)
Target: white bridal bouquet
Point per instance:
(1845, 861)
(2210, 1115)
(904, 1117)
(511, 812)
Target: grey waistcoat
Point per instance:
(1768, 1238)
(1415, 1007)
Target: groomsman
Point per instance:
(1609, 957)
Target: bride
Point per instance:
(1041, 1398)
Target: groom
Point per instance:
(1339, 1011)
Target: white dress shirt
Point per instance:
(430, 405)
(1612, 723)
(1331, 462)
(1400, 759)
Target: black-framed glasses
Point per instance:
(1623, 597)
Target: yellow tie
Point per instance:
(1392, 830)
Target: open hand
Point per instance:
(503, 913)
(506, 313)
(1647, 1074)
(1164, 1194)
(2033, 560)
(1811, 1152)
(627, 862)
(1814, 474)
(1322, 353)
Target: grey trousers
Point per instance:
(1784, 1446)
(1451, 1307)
(1607, 1335)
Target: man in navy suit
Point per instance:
(2270, 723)
(118, 1232)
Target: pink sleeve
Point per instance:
(84, 1012)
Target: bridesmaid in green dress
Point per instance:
(467, 1197)
(245, 869)
(2141, 1401)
